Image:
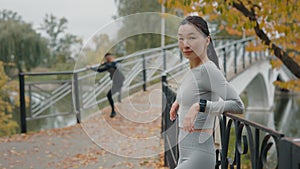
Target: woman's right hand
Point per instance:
(173, 111)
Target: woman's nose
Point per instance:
(186, 43)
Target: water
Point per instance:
(287, 114)
(285, 117)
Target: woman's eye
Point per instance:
(181, 39)
(191, 38)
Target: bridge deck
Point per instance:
(99, 142)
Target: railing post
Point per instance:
(76, 99)
(169, 128)
(22, 103)
(244, 55)
(30, 100)
(224, 142)
(237, 154)
(144, 73)
(256, 55)
(235, 59)
(260, 54)
(164, 103)
(181, 56)
(163, 82)
(165, 59)
(224, 64)
(256, 161)
(250, 57)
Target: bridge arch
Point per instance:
(257, 92)
(257, 81)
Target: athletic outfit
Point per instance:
(114, 69)
(196, 149)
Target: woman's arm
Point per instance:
(101, 68)
(215, 82)
(230, 100)
(173, 111)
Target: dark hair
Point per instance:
(107, 54)
(201, 26)
(198, 22)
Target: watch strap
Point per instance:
(202, 104)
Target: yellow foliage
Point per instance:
(7, 125)
(3, 77)
(279, 19)
(276, 63)
(233, 31)
(292, 85)
(251, 47)
(296, 58)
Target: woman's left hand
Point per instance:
(189, 119)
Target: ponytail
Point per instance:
(211, 53)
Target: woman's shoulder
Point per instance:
(209, 68)
(209, 65)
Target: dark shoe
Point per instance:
(112, 114)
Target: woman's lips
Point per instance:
(187, 52)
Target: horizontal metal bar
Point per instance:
(234, 42)
(50, 115)
(48, 82)
(47, 73)
(256, 125)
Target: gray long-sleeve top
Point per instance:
(114, 71)
(207, 82)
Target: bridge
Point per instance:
(82, 92)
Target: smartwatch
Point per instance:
(202, 104)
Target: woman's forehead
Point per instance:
(187, 29)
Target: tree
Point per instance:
(275, 23)
(60, 42)
(95, 51)
(7, 125)
(20, 45)
(144, 41)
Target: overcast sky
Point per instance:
(84, 17)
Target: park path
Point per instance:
(132, 139)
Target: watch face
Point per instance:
(202, 101)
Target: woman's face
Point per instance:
(191, 42)
(109, 58)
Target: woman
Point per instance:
(203, 94)
(114, 69)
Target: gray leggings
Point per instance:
(196, 151)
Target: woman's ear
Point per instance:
(208, 40)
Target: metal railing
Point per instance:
(51, 94)
(256, 138)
